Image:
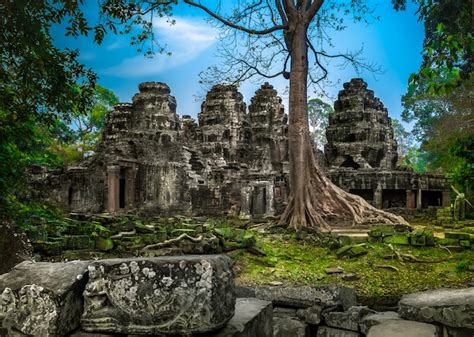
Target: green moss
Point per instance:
(104, 245)
(399, 239)
(300, 262)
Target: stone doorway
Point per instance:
(259, 201)
(122, 188)
(394, 198)
(431, 198)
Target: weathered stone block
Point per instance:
(311, 315)
(284, 327)
(305, 297)
(324, 331)
(348, 320)
(457, 235)
(43, 299)
(253, 317)
(457, 332)
(166, 295)
(448, 242)
(402, 328)
(451, 307)
(375, 319)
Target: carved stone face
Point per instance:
(7, 296)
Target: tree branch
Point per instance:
(313, 9)
(233, 25)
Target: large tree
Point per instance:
(293, 31)
(257, 36)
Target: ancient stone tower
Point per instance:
(231, 161)
(269, 126)
(224, 125)
(360, 133)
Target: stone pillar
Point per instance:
(269, 201)
(378, 196)
(113, 185)
(245, 199)
(410, 199)
(419, 196)
(130, 176)
(446, 202)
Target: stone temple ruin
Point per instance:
(361, 155)
(233, 161)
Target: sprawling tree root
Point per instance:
(320, 203)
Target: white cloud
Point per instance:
(117, 45)
(186, 39)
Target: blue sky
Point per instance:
(394, 42)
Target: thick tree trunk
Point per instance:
(314, 200)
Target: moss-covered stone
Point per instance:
(447, 242)
(104, 244)
(399, 239)
(465, 243)
(418, 240)
(457, 235)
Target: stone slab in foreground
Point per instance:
(402, 328)
(451, 307)
(253, 317)
(42, 299)
(303, 297)
(172, 295)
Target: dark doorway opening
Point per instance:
(394, 198)
(431, 198)
(259, 201)
(367, 194)
(122, 189)
(69, 196)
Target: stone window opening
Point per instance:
(350, 163)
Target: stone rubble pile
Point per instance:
(332, 311)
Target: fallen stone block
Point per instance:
(348, 320)
(311, 315)
(457, 332)
(284, 312)
(284, 327)
(253, 317)
(402, 328)
(180, 295)
(451, 307)
(43, 299)
(325, 331)
(306, 296)
(375, 319)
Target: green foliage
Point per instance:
(439, 97)
(318, 116)
(448, 45)
(84, 128)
